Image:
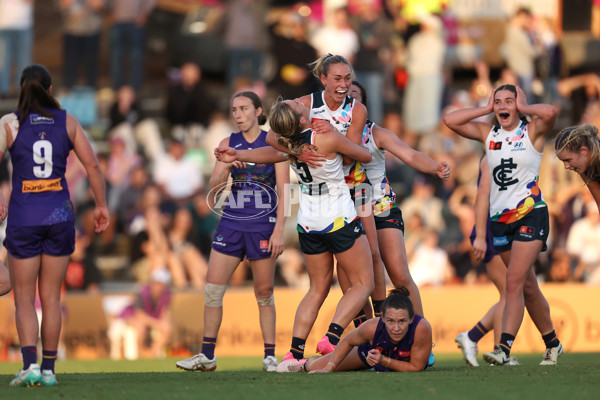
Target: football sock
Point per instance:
(360, 318)
(208, 347)
(506, 342)
(297, 348)
(269, 350)
(334, 333)
(477, 332)
(377, 307)
(48, 360)
(550, 340)
(29, 356)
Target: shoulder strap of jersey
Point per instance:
(317, 100)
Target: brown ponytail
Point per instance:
(34, 93)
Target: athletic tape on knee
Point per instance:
(266, 301)
(213, 295)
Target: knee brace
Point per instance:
(266, 301)
(213, 295)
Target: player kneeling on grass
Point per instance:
(399, 340)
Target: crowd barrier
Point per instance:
(450, 310)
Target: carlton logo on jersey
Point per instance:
(503, 174)
(36, 119)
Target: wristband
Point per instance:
(388, 362)
(331, 363)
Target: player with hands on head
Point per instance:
(518, 213)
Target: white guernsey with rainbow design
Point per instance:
(514, 166)
(325, 203)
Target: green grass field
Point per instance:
(576, 377)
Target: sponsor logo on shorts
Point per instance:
(219, 241)
(264, 244)
(526, 231)
(500, 241)
(42, 185)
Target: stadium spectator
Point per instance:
(189, 106)
(246, 38)
(81, 39)
(178, 177)
(150, 315)
(336, 36)
(293, 54)
(16, 42)
(521, 50)
(128, 20)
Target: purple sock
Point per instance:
(208, 347)
(29, 356)
(477, 332)
(269, 350)
(48, 360)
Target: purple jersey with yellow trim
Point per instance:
(252, 203)
(396, 351)
(40, 195)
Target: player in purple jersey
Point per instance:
(40, 234)
(578, 147)
(399, 340)
(251, 227)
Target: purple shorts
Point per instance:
(490, 252)
(252, 245)
(30, 241)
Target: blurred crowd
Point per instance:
(157, 159)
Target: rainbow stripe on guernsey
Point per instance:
(388, 201)
(357, 175)
(383, 197)
(524, 207)
(338, 223)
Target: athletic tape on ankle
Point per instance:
(266, 301)
(213, 295)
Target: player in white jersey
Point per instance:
(333, 107)
(388, 217)
(517, 210)
(327, 221)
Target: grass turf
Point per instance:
(576, 377)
